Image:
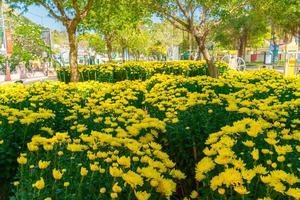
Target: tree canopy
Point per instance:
(199, 18)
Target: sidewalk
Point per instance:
(27, 80)
(277, 68)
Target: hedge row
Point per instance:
(138, 70)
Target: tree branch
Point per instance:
(177, 26)
(234, 8)
(60, 7)
(87, 8)
(76, 6)
(176, 19)
(80, 14)
(181, 8)
(51, 11)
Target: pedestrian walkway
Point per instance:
(279, 68)
(28, 80)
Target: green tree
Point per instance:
(92, 44)
(282, 15)
(133, 39)
(92, 41)
(249, 28)
(59, 38)
(163, 35)
(27, 42)
(70, 13)
(200, 18)
(114, 21)
(139, 42)
(284, 19)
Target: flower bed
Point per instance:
(138, 70)
(236, 137)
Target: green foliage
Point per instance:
(189, 118)
(15, 137)
(57, 8)
(118, 24)
(92, 41)
(281, 13)
(37, 119)
(70, 14)
(163, 35)
(27, 43)
(59, 38)
(2, 63)
(250, 25)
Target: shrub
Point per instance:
(178, 113)
(94, 166)
(251, 159)
(138, 70)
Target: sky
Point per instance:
(41, 16)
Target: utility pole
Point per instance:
(4, 45)
(47, 37)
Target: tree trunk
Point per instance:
(243, 44)
(123, 55)
(190, 47)
(287, 39)
(245, 47)
(138, 56)
(298, 38)
(198, 54)
(73, 56)
(212, 69)
(109, 49)
(7, 70)
(241, 47)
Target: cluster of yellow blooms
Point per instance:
(258, 156)
(252, 154)
(107, 166)
(121, 140)
(26, 116)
